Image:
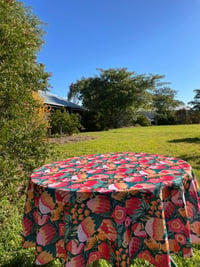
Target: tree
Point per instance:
(115, 96)
(164, 104)
(196, 102)
(23, 121)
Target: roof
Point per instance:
(54, 100)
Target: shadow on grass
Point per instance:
(186, 140)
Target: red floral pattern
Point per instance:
(116, 206)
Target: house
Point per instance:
(57, 102)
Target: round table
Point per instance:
(115, 206)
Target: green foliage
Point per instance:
(167, 119)
(115, 96)
(164, 104)
(23, 121)
(94, 121)
(194, 116)
(196, 102)
(142, 120)
(63, 122)
(164, 100)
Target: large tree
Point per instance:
(114, 96)
(196, 102)
(23, 123)
(164, 101)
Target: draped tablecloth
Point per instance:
(116, 206)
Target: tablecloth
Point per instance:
(115, 206)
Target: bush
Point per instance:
(165, 119)
(143, 121)
(62, 122)
(23, 121)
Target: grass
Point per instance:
(180, 141)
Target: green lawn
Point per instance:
(179, 141)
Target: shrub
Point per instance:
(143, 121)
(63, 122)
(23, 122)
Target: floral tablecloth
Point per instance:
(116, 206)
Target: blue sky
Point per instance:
(146, 36)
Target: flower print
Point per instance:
(134, 179)
(177, 197)
(28, 244)
(151, 244)
(28, 206)
(193, 189)
(46, 203)
(132, 204)
(119, 195)
(127, 221)
(45, 235)
(120, 185)
(112, 187)
(99, 204)
(61, 229)
(75, 186)
(119, 214)
(180, 238)
(100, 176)
(107, 228)
(187, 252)
(27, 226)
(182, 212)
(189, 208)
(137, 229)
(134, 246)
(195, 239)
(147, 187)
(155, 228)
(162, 260)
(55, 215)
(93, 256)
(103, 190)
(60, 249)
(195, 226)
(90, 243)
(86, 229)
(168, 209)
(101, 236)
(39, 219)
(127, 235)
(104, 251)
(73, 247)
(90, 183)
(62, 197)
(82, 196)
(176, 225)
(145, 255)
(43, 258)
(173, 245)
(76, 261)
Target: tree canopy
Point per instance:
(115, 96)
(164, 100)
(196, 102)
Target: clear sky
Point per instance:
(146, 36)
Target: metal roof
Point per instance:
(54, 100)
